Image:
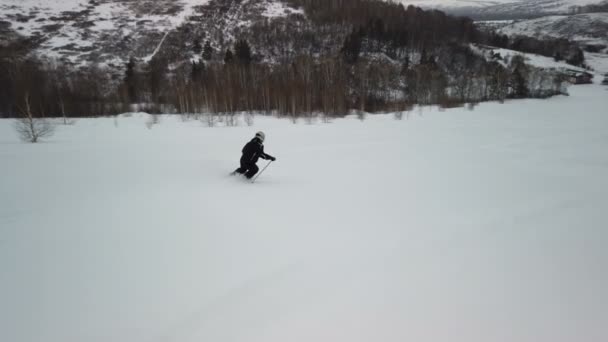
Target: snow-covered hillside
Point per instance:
(535, 7)
(550, 5)
(108, 32)
(450, 4)
(103, 31)
(31, 15)
(591, 28)
(485, 225)
(531, 59)
(505, 8)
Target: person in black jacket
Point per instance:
(251, 152)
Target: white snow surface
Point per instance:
(279, 9)
(597, 61)
(487, 225)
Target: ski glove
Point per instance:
(273, 158)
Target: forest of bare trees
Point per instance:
(345, 55)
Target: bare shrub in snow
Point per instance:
(68, 121)
(399, 115)
(231, 120)
(249, 119)
(360, 115)
(211, 119)
(30, 128)
(152, 121)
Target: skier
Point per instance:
(251, 152)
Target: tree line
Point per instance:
(591, 8)
(362, 55)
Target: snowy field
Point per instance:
(480, 226)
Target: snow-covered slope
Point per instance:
(111, 31)
(538, 7)
(504, 8)
(485, 225)
(103, 31)
(531, 59)
(450, 4)
(591, 28)
(34, 13)
(588, 30)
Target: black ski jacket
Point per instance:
(252, 151)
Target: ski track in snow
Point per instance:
(456, 225)
(160, 44)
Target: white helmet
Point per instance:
(260, 135)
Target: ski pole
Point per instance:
(258, 175)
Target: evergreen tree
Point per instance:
(243, 52)
(198, 70)
(207, 51)
(423, 57)
(157, 74)
(578, 58)
(228, 57)
(197, 48)
(406, 65)
(131, 80)
(558, 57)
(519, 77)
(352, 46)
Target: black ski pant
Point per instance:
(248, 169)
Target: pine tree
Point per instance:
(207, 51)
(352, 47)
(243, 52)
(558, 57)
(578, 58)
(156, 76)
(131, 80)
(198, 69)
(406, 65)
(229, 57)
(423, 57)
(519, 77)
(197, 48)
